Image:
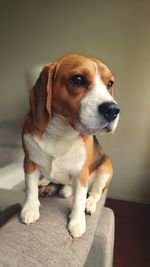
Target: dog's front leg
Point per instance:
(30, 212)
(77, 223)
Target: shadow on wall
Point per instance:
(145, 179)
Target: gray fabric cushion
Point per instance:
(10, 197)
(7, 213)
(10, 204)
(101, 252)
(47, 242)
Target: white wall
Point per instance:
(33, 32)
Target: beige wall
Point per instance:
(33, 32)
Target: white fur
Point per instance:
(77, 224)
(113, 124)
(66, 191)
(59, 153)
(90, 119)
(30, 212)
(43, 181)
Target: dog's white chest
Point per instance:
(59, 154)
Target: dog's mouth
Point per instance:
(107, 129)
(87, 129)
(103, 127)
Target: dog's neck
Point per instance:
(60, 127)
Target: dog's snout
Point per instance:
(109, 110)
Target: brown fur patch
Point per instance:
(106, 167)
(93, 153)
(84, 177)
(97, 163)
(66, 96)
(41, 98)
(29, 166)
(106, 74)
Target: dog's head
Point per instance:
(78, 88)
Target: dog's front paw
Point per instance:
(77, 226)
(30, 213)
(90, 206)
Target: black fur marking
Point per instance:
(100, 158)
(97, 163)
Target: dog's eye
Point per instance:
(110, 84)
(78, 80)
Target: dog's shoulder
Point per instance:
(98, 155)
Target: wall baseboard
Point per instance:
(129, 198)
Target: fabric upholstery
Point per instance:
(7, 213)
(47, 242)
(10, 204)
(101, 252)
(10, 197)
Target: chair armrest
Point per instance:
(47, 242)
(101, 252)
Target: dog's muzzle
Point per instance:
(109, 110)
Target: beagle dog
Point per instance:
(70, 101)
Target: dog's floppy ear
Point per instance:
(41, 98)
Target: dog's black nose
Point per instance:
(109, 110)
